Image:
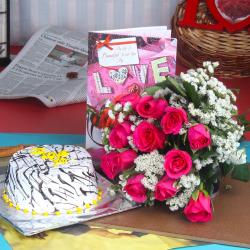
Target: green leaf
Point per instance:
(175, 86)
(207, 154)
(116, 187)
(241, 172)
(213, 173)
(210, 187)
(105, 141)
(203, 190)
(129, 172)
(184, 138)
(226, 169)
(192, 94)
(247, 129)
(163, 84)
(152, 90)
(195, 195)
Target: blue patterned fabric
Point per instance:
(4, 245)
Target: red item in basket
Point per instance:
(233, 10)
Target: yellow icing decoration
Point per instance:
(38, 151)
(63, 153)
(79, 210)
(56, 158)
(26, 210)
(5, 198)
(34, 212)
(51, 156)
(87, 205)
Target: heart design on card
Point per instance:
(119, 76)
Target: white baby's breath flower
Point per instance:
(111, 114)
(121, 117)
(121, 177)
(206, 64)
(150, 120)
(151, 164)
(127, 106)
(189, 182)
(239, 157)
(162, 92)
(111, 192)
(210, 69)
(117, 107)
(129, 137)
(215, 64)
(106, 148)
(108, 103)
(132, 127)
(132, 118)
(131, 143)
(174, 208)
(182, 131)
(150, 182)
(138, 122)
(185, 77)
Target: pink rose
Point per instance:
(118, 135)
(148, 137)
(135, 189)
(111, 164)
(164, 189)
(200, 210)
(173, 120)
(148, 107)
(132, 98)
(198, 137)
(127, 158)
(177, 163)
(114, 162)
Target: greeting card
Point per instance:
(126, 61)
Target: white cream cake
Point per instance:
(51, 179)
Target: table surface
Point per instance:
(230, 224)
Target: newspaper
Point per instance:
(41, 69)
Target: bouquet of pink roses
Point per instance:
(173, 142)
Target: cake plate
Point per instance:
(28, 224)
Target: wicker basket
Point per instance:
(232, 50)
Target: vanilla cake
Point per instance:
(51, 179)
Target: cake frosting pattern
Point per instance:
(51, 179)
